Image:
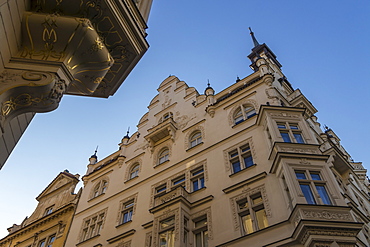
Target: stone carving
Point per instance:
(320, 231)
(298, 150)
(148, 239)
(284, 115)
(183, 120)
(124, 244)
(326, 215)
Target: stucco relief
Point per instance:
(148, 239)
(284, 115)
(227, 151)
(246, 193)
(239, 104)
(124, 244)
(321, 231)
(326, 215)
(299, 150)
(183, 120)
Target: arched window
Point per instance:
(195, 139)
(100, 188)
(243, 113)
(134, 171)
(163, 156)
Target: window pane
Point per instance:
(247, 224)
(198, 239)
(281, 126)
(248, 161)
(250, 112)
(257, 200)
(205, 238)
(201, 182)
(315, 176)
(293, 126)
(323, 194)
(300, 175)
(198, 172)
(307, 193)
(285, 136)
(200, 223)
(298, 137)
(236, 166)
(261, 218)
(168, 222)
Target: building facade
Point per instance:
(50, 222)
(247, 166)
(56, 47)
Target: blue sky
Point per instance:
(322, 45)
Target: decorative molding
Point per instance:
(121, 236)
(121, 208)
(326, 215)
(148, 239)
(208, 213)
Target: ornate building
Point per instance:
(50, 222)
(247, 166)
(55, 47)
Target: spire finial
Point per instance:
(208, 84)
(128, 131)
(94, 155)
(255, 42)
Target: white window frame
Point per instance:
(195, 139)
(92, 225)
(100, 188)
(292, 130)
(243, 112)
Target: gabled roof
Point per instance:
(59, 181)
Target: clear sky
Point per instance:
(322, 45)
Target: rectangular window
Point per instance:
(241, 158)
(311, 184)
(160, 189)
(252, 213)
(201, 232)
(127, 212)
(290, 132)
(197, 179)
(167, 233)
(179, 181)
(42, 243)
(92, 226)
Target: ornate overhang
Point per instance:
(321, 223)
(296, 151)
(284, 111)
(161, 131)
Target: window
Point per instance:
(134, 172)
(51, 241)
(100, 188)
(127, 211)
(252, 213)
(92, 226)
(160, 189)
(242, 113)
(195, 139)
(290, 132)
(48, 210)
(42, 243)
(179, 181)
(241, 158)
(201, 233)
(311, 184)
(167, 233)
(197, 178)
(163, 156)
(165, 117)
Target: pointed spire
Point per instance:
(255, 42)
(94, 155)
(127, 136)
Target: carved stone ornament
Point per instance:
(326, 215)
(28, 91)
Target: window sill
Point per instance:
(243, 121)
(198, 190)
(88, 239)
(194, 146)
(247, 168)
(128, 180)
(125, 223)
(164, 162)
(96, 197)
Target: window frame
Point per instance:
(92, 225)
(243, 113)
(48, 210)
(195, 140)
(202, 231)
(168, 230)
(238, 155)
(290, 132)
(100, 188)
(250, 208)
(134, 171)
(127, 208)
(197, 177)
(311, 187)
(164, 154)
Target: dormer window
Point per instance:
(165, 117)
(48, 211)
